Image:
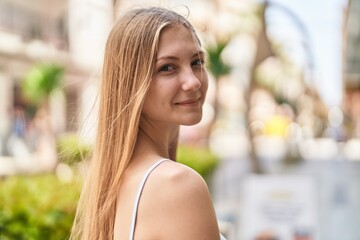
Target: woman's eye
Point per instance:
(166, 68)
(198, 62)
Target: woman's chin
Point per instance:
(191, 121)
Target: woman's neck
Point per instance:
(157, 139)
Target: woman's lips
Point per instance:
(188, 102)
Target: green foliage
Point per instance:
(71, 150)
(41, 80)
(199, 159)
(37, 207)
(42, 207)
(216, 65)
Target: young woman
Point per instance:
(153, 81)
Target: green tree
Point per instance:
(41, 81)
(218, 69)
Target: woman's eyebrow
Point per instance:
(166, 57)
(170, 57)
(197, 53)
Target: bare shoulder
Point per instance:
(179, 175)
(175, 180)
(179, 199)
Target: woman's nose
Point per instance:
(190, 81)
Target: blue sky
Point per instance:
(322, 20)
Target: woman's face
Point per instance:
(179, 83)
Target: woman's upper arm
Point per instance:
(185, 209)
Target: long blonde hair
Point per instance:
(129, 60)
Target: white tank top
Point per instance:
(138, 195)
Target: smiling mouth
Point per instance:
(189, 102)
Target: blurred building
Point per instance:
(30, 31)
(70, 33)
(352, 71)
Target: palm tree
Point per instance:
(41, 81)
(218, 69)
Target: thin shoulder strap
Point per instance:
(138, 195)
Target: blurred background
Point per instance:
(279, 143)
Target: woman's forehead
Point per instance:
(178, 35)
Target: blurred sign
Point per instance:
(279, 208)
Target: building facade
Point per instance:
(70, 33)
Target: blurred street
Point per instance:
(281, 117)
(337, 183)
